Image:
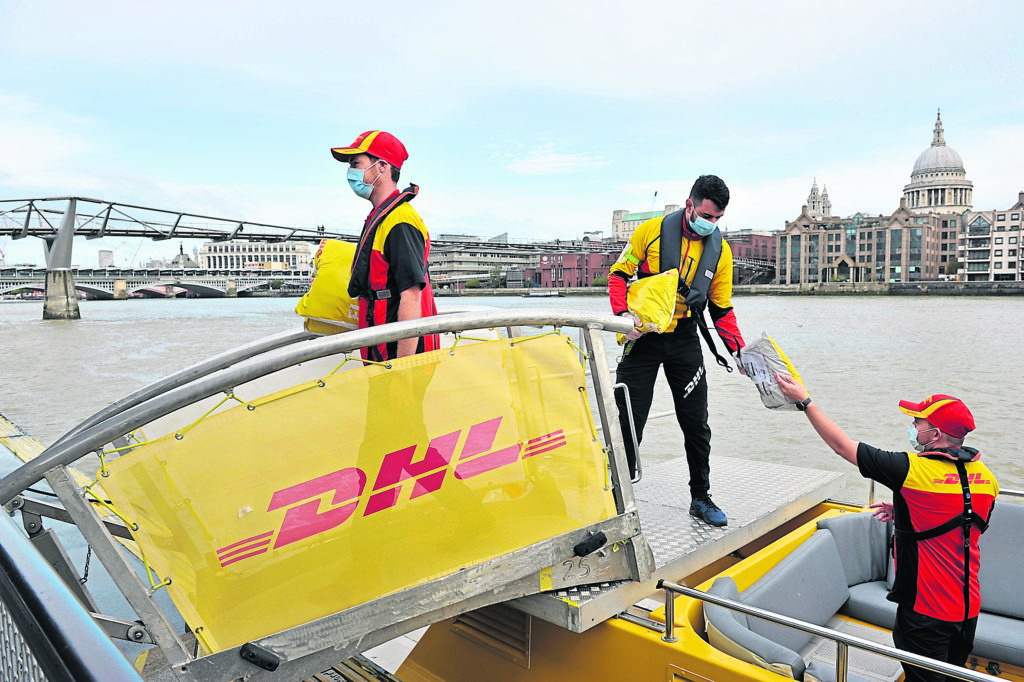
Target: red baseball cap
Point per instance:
(375, 143)
(945, 412)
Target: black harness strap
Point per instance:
(964, 521)
(696, 294)
(671, 241)
(706, 333)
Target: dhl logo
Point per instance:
(954, 479)
(303, 517)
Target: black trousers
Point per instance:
(680, 355)
(938, 639)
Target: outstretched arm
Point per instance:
(827, 429)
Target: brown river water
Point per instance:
(858, 356)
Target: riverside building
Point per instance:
(934, 234)
(624, 222)
(458, 259)
(989, 251)
(238, 255)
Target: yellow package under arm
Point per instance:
(641, 257)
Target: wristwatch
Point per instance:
(802, 405)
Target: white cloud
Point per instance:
(545, 160)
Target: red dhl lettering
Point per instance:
(303, 517)
(954, 479)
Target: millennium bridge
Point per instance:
(109, 283)
(56, 221)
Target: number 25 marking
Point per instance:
(574, 572)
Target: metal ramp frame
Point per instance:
(316, 645)
(682, 544)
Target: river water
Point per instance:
(858, 356)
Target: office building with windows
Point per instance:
(238, 255)
(989, 251)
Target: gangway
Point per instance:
(173, 477)
(760, 496)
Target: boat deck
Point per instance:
(756, 496)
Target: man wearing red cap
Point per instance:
(389, 272)
(943, 496)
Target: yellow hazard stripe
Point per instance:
(363, 146)
(926, 412)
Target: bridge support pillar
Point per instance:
(120, 289)
(60, 302)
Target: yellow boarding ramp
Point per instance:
(390, 494)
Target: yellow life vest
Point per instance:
(327, 307)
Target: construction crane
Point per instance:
(135, 254)
(120, 250)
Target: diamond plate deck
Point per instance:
(756, 496)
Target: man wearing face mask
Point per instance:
(943, 498)
(689, 240)
(389, 272)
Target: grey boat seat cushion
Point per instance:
(1000, 573)
(809, 584)
(862, 541)
(728, 632)
(1000, 639)
(868, 603)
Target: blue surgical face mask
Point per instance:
(356, 178)
(701, 226)
(913, 433)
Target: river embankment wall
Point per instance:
(951, 288)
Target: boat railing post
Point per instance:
(670, 617)
(842, 660)
(871, 491)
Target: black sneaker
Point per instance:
(703, 508)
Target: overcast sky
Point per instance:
(533, 118)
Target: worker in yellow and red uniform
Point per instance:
(689, 240)
(943, 498)
(389, 272)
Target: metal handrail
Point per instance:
(843, 641)
(76, 445)
(632, 431)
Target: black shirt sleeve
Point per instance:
(887, 467)
(403, 250)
